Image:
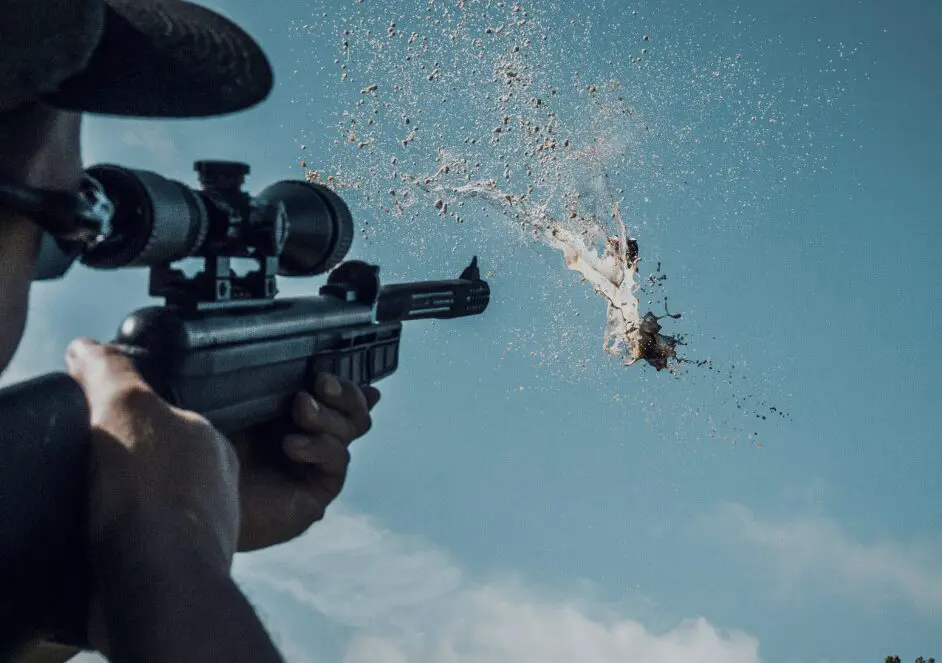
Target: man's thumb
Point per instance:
(92, 363)
(77, 356)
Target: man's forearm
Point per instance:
(166, 602)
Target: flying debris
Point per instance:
(659, 350)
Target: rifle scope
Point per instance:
(156, 221)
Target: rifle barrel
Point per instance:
(456, 298)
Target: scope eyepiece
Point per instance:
(156, 220)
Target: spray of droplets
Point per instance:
(550, 174)
(468, 106)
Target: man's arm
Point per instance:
(165, 599)
(165, 602)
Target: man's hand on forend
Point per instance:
(283, 493)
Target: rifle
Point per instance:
(222, 345)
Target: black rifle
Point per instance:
(222, 345)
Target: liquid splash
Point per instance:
(612, 274)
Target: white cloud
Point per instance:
(155, 139)
(402, 600)
(817, 549)
(114, 140)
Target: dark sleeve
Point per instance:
(165, 600)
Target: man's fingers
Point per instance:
(340, 394)
(323, 451)
(344, 395)
(372, 396)
(347, 399)
(315, 417)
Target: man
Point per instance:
(170, 500)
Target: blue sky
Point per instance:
(523, 497)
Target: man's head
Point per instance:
(144, 58)
(39, 147)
